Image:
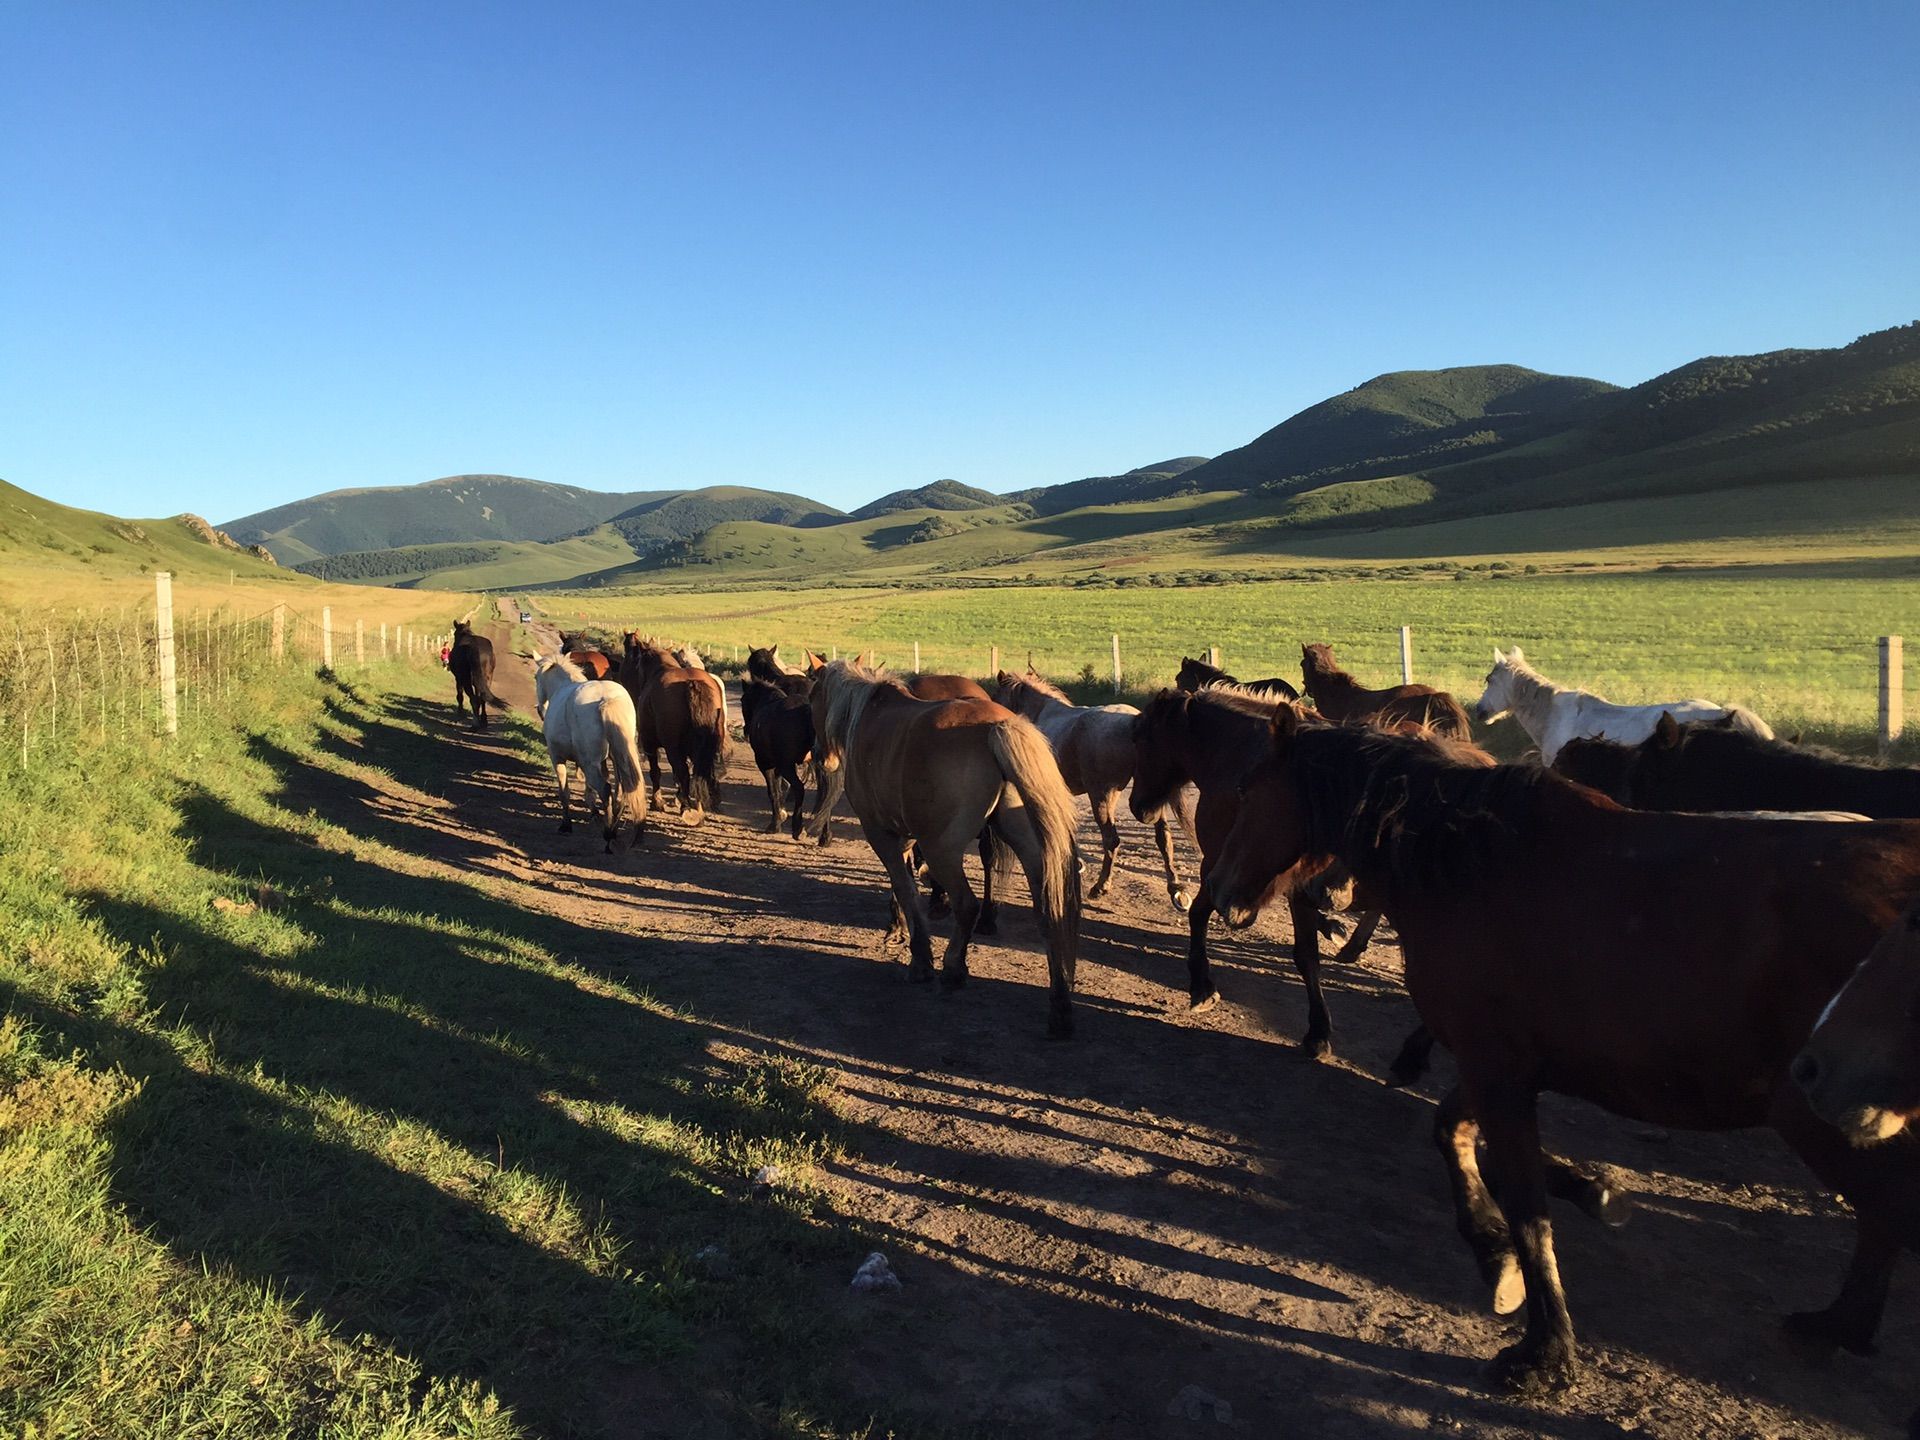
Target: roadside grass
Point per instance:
(301, 1134)
(1797, 647)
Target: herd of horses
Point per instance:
(1669, 913)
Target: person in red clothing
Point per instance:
(446, 653)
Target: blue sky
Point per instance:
(253, 251)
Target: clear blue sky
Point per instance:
(254, 251)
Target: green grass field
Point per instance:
(348, 1159)
(1797, 645)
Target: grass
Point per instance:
(374, 1152)
(1796, 644)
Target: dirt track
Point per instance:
(1085, 1228)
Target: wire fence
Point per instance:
(69, 678)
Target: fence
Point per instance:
(1847, 691)
(149, 670)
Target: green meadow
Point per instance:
(1796, 643)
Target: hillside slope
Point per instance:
(940, 495)
(457, 508)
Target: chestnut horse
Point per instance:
(1198, 674)
(471, 661)
(684, 711)
(1718, 765)
(1663, 966)
(1342, 699)
(939, 773)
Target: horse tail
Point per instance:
(623, 743)
(1026, 760)
(482, 682)
(707, 745)
(1741, 718)
(1447, 716)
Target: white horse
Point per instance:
(1094, 746)
(591, 725)
(1553, 714)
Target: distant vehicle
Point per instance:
(526, 617)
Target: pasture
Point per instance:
(1795, 645)
(345, 1097)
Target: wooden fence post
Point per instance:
(326, 638)
(359, 643)
(993, 660)
(383, 639)
(1892, 707)
(1116, 664)
(1406, 654)
(279, 643)
(1213, 656)
(916, 657)
(163, 651)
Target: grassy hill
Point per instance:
(940, 495)
(1148, 482)
(660, 522)
(458, 508)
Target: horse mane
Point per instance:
(1808, 758)
(849, 688)
(1412, 811)
(1240, 698)
(561, 663)
(1033, 682)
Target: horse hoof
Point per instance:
(1097, 891)
(1206, 1002)
(692, 817)
(986, 925)
(1823, 1333)
(1611, 1207)
(1182, 901)
(952, 979)
(1521, 1369)
(1318, 1047)
(1510, 1290)
(1059, 1029)
(918, 973)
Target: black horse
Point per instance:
(779, 724)
(471, 662)
(1712, 766)
(1197, 675)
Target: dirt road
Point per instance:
(1084, 1229)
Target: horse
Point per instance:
(471, 661)
(1198, 674)
(683, 711)
(1094, 745)
(591, 725)
(765, 664)
(1712, 765)
(594, 664)
(1341, 698)
(1207, 739)
(779, 726)
(940, 772)
(1552, 714)
(1666, 967)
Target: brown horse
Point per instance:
(1663, 966)
(939, 773)
(1342, 699)
(683, 711)
(594, 664)
(471, 661)
(1209, 739)
(1198, 674)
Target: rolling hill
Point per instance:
(457, 508)
(940, 495)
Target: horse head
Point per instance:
(1271, 833)
(1496, 696)
(1160, 739)
(1860, 1069)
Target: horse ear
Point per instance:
(1517, 656)
(1794, 739)
(863, 659)
(1498, 658)
(1667, 730)
(1286, 724)
(774, 650)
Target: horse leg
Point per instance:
(892, 850)
(1414, 1059)
(989, 921)
(1568, 1181)
(1543, 1358)
(1109, 842)
(1853, 1318)
(1201, 996)
(1362, 937)
(796, 792)
(772, 777)
(1478, 1218)
(560, 778)
(690, 811)
(1176, 892)
(1013, 826)
(947, 863)
(1318, 1041)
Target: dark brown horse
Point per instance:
(1711, 765)
(471, 662)
(779, 725)
(683, 711)
(1860, 1068)
(1663, 966)
(1198, 674)
(1343, 700)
